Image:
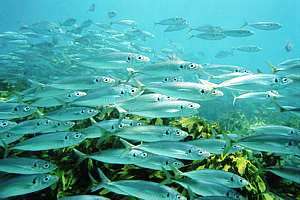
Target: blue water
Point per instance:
(229, 14)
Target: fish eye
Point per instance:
(46, 166)
(177, 132)
(268, 96)
(139, 124)
(241, 180)
(26, 108)
(77, 135)
(140, 57)
(90, 111)
(120, 125)
(132, 90)
(175, 79)
(193, 66)
(200, 152)
(144, 154)
(214, 92)
(178, 197)
(4, 124)
(166, 79)
(284, 80)
(46, 179)
(191, 106)
(105, 80)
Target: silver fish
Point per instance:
(50, 141)
(22, 165)
(25, 184)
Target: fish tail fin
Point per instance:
(104, 180)
(5, 146)
(273, 68)
(121, 110)
(191, 36)
(127, 145)
(281, 109)
(93, 121)
(259, 71)
(103, 177)
(229, 144)
(214, 133)
(191, 193)
(40, 113)
(190, 29)
(177, 172)
(37, 83)
(234, 100)
(245, 24)
(82, 156)
(168, 179)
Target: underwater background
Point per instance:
(96, 92)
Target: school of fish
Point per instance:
(73, 72)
